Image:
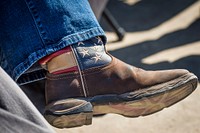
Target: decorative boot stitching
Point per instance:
(79, 69)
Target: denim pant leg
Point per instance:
(32, 29)
(17, 113)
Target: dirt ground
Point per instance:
(160, 35)
(183, 117)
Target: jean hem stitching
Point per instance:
(65, 41)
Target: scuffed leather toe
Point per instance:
(150, 78)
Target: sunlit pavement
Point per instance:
(174, 42)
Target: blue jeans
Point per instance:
(32, 29)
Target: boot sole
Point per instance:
(146, 101)
(132, 104)
(69, 121)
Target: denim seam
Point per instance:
(65, 41)
(80, 34)
(37, 20)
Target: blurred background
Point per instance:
(158, 35)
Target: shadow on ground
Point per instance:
(145, 14)
(135, 53)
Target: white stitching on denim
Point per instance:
(30, 7)
(61, 44)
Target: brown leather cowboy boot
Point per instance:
(84, 73)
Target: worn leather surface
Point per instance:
(115, 78)
(63, 86)
(120, 77)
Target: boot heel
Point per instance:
(69, 113)
(88, 120)
(68, 121)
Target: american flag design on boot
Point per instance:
(91, 53)
(77, 57)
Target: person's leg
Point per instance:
(17, 113)
(83, 72)
(32, 29)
